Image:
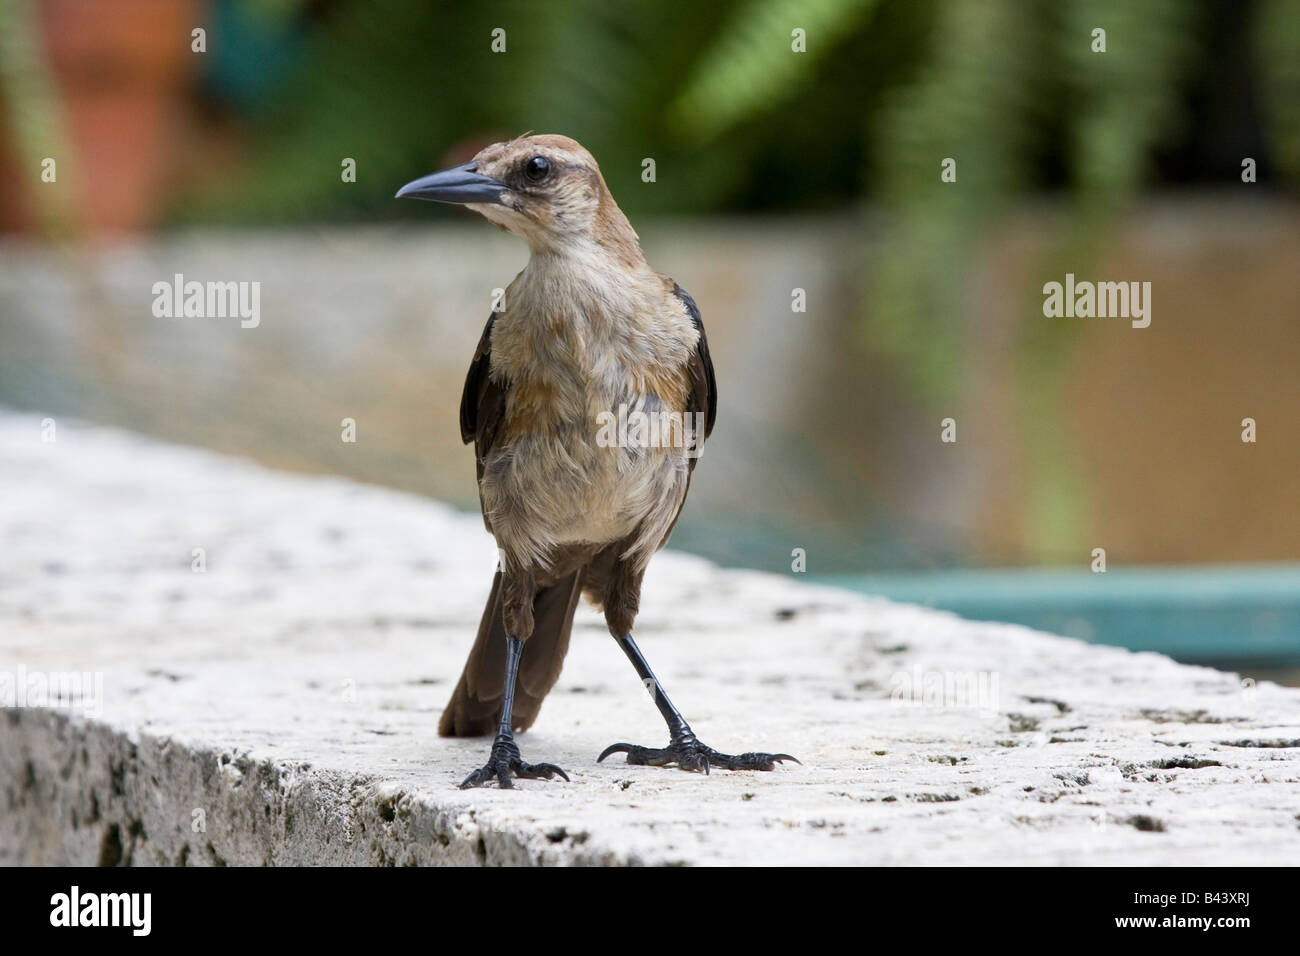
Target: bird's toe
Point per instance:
(689, 754)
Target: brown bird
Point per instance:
(577, 490)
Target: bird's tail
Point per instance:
(475, 706)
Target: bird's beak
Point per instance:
(460, 185)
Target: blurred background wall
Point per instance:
(220, 154)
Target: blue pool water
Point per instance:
(1234, 616)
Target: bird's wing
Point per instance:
(482, 405)
(703, 395)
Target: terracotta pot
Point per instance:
(124, 70)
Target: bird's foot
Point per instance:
(504, 761)
(689, 754)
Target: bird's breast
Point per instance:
(597, 475)
(591, 445)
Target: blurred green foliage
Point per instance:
(31, 105)
(733, 117)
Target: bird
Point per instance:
(587, 335)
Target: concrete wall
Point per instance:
(279, 705)
(1113, 436)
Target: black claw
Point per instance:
(614, 749)
(543, 770)
(477, 778)
(689, 754)
(503, 762)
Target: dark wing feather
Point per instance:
(482, 404)
(475, 705)
(703, 396)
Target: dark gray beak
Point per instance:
(460, 185)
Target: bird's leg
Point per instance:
(683, 748)
(504, 759)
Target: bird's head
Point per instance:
(546, 189)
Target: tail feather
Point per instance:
(475, 706)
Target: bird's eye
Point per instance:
(537, 168)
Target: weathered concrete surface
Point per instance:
(280, 706)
